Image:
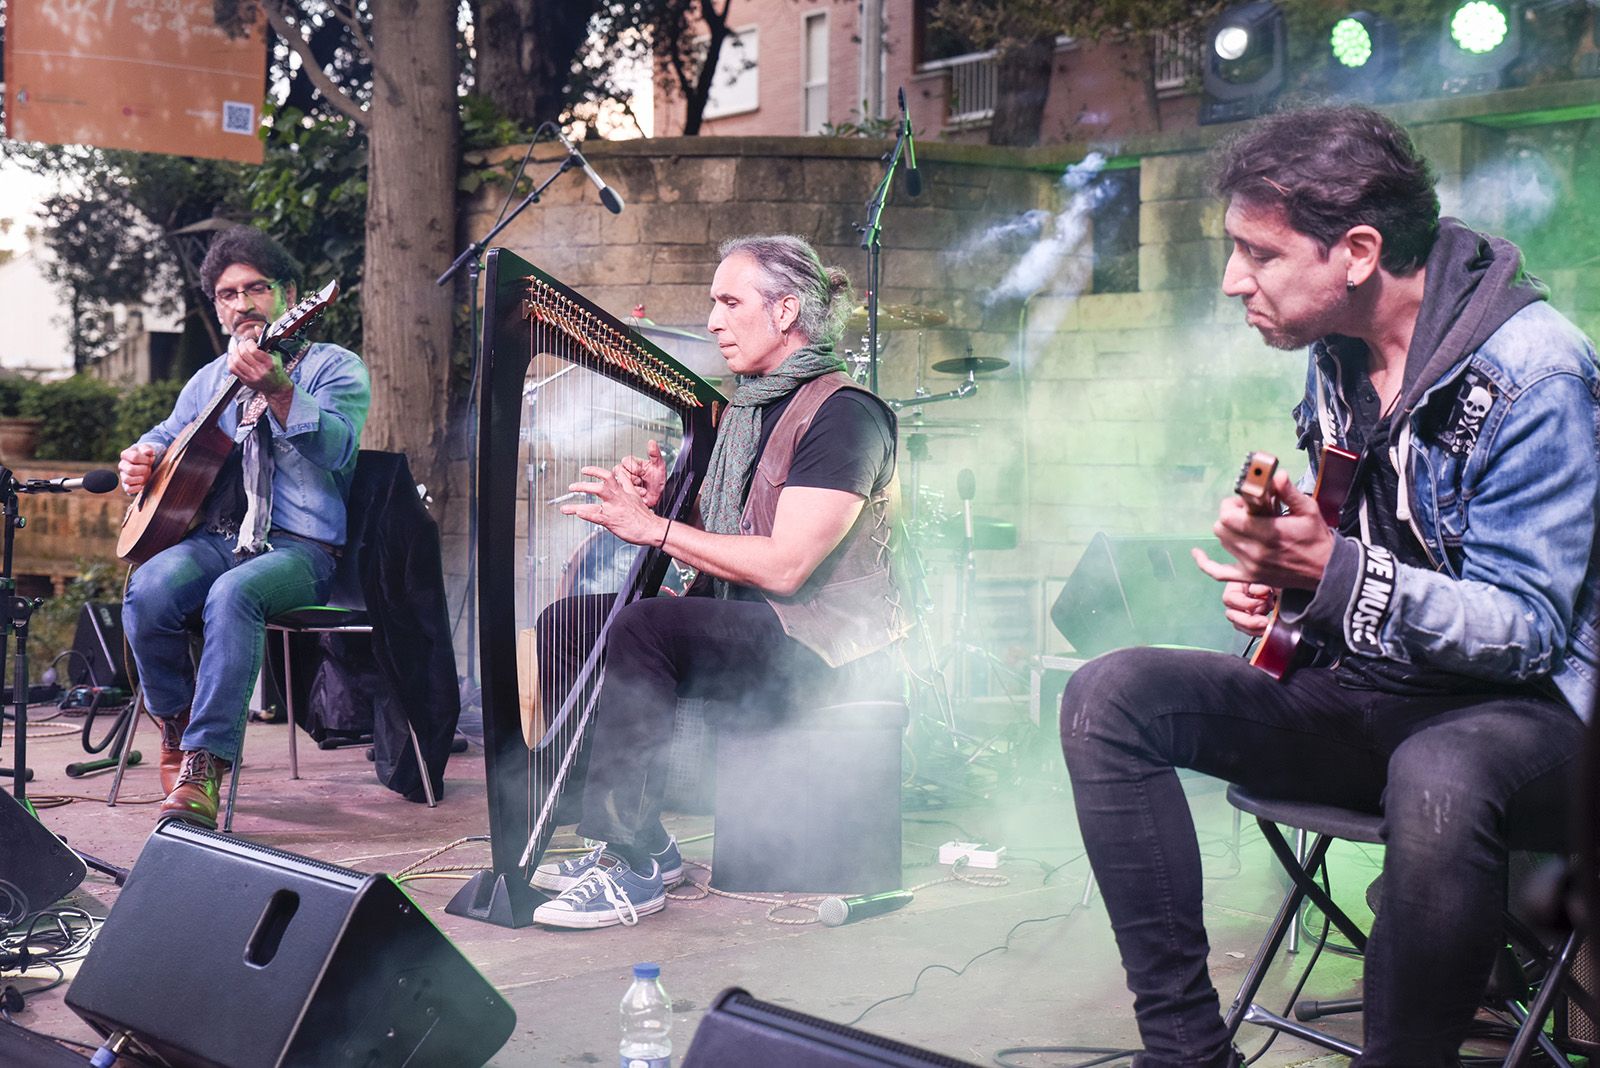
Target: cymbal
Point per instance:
(976, 365)
(988, 532)
(939, 428)
(651, 330)
(896, 317)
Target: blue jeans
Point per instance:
(1460, 780)
(200, 580)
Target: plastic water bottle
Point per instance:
(646, 1021)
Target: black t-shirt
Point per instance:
(1372, 435)
(849, 446)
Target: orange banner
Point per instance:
(147, 75)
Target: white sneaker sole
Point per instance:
(588, 921)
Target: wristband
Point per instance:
(662, 544)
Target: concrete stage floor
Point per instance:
(1056, 982)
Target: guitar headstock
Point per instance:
(1255, 483)
(307, 311)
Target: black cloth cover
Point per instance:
(407, 672)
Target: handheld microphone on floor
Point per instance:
(838, 911)
(99, 480)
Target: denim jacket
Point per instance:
(1500, 484)
(314, 453)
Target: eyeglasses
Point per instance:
(259, 288)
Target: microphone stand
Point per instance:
(871, 240)
(14, 614)
(469, 258)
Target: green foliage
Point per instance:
(141, 408)
(52, 627)
(871, 127)
(14, 393)
(310, 192)
(79, 414)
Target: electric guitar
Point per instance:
(1278, 651)
(167, 507)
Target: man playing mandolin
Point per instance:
(1454, 606)
(269, 531)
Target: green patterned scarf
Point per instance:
(722, 493)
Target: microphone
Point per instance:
(913, 176)
(99, 480)
(837, 911)
(608, 196)
(967, 488)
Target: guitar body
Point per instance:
(1279, 651)
(166, 508)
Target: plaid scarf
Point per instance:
(739, 435)
(257, 465)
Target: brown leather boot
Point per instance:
(194, 798)
(172, 728)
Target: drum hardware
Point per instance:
(649, 328)
(971, 365)
(921, 396)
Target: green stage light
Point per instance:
(1481, 40)
(1351, 43)
(1478, 27)
(1363, 55)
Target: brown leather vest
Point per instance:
(849, 607)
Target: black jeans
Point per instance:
(1459, 779)
(657, 650)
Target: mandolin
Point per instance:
(166, 509)
(1278, 652)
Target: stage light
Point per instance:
(1362, 54)
(1481, 39)
(1243, 63)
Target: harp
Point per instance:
(564, 385)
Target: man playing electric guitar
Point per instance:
(269, 531)
(1455, 603)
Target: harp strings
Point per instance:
(574, 416)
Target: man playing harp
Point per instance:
(791, 544)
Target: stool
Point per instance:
(811, 803)
(1509, 987)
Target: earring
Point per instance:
(1349, 285)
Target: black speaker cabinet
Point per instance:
(221, 953)
(36, 868)
(98, 641)
(740, 1031)
(1574, 1026)
(1143, 591)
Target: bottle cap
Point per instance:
(646, 971)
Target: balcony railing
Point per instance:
(973, 86)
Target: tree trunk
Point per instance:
(697, 93)
(524, 50)
(1023, 85)
(411, 233)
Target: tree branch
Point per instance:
(290, 32)
(358, 32)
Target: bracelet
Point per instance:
(662, 544)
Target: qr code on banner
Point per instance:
(238, 118)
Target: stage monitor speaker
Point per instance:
(740, 1031)
(1574, 1025)
(36, 868)
(98, 641)
(221, 953)
(1143, 591)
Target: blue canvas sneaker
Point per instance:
(608, 894)
(558, 877)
